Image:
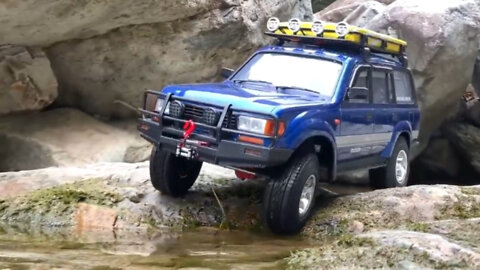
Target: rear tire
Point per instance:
(172, 175)
(397, 171)
(290, 198)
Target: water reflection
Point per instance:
(205, 248)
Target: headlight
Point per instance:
(294, 25)
(256, 125)
(317, 27)
(273, 24)
(342, 29)
(159, 105)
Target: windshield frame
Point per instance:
(319, 57)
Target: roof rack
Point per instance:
(337, 34)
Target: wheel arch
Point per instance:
(403, 129)
(325, 149)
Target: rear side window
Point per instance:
(380, 86)
(403, 88)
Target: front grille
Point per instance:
(197, 113)
(230, 121)
(193, 112)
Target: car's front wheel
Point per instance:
(290, 198)
(397, 171)
(172, 175)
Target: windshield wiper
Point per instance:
(298, 88)
(252, 81)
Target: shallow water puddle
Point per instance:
(204, 248)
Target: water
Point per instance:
(201, 248)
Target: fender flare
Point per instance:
(403, 127)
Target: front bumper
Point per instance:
(220, 147)
(226, 153)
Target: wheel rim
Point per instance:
(401, 167)
(307, 195)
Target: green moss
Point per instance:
(470, 190)
(419, 227)
(462, 209)
(55, 205)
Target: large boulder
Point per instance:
(442, 41)
(27, 81)
(466, 139)
(354, 11)
(64, 137)
(103, 51)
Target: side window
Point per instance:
(361, 78)
(360, 81)
(380, 86)
(391, 98)
(403, 88)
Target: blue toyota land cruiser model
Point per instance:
(327, 98)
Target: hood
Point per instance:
(259, 98)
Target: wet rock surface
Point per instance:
(73, 196)
(418, 226)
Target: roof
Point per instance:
(339, 54)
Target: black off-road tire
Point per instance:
(282, 194)
(385, 177)
(172, 175)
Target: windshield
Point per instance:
(292, 72)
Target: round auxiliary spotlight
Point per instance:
(273, 24)
(294, 25)
(318, 27)
(342, 29)
(176, 109)
(210, 116)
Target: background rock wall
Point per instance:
(93, 56)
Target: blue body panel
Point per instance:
(307, 116)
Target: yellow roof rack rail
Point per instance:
(322, 33)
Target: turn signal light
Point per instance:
(249, 139)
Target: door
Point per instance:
(357, 120)
(384, 108)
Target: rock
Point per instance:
(442, 46)
(476, 75)
(356, 227)
(27, 81)
(438, 160)
(466, 139)
(353, 9)
(436, 247)
(393, 208)
(63, 137)
(318, 5)
(102, 52)
(49, 196)
(93, 217)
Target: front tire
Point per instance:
(290, 198)
(397, 171)
(172, 175)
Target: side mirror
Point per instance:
(358, 93)
(226, 72)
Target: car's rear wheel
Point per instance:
(290, 198)
(172, 175)
(397, 171)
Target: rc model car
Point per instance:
(326, 98)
